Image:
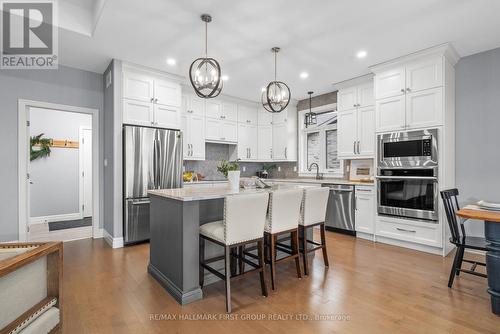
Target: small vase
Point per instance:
(234, 179)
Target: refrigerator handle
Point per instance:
(155, 164)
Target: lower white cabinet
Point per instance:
(426, 233)
(265, 142)
(365, 209)
(193, 127)
(221, 131)
(247, 142)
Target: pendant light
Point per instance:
(310, 117)
(205, 73)
(276, 96)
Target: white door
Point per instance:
(167, 93)
(424, 108)
(213, 109)
(279, 141)
(265, 142)
(264, 117)
(346, 132)
(365, 95)
(167, 116)
(86, 147)
(229, 131)
(390, 83)
(390, 114)
(137, 112)
(347, 98)
(424, 74)
(366, 131)
(137, 87)
(365, 211)
(213, 129)
(230, 111)
(197, 136)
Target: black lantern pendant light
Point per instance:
(276, 96)
(205, 73)
(310, 117)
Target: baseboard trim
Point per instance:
(98, 233)
(56, 218)
(181, 297)
(113, 242)
(410, 245)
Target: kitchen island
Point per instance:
(175, 218)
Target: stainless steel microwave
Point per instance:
(408, 149)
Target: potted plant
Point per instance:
(231, 171)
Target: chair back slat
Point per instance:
(450, 202)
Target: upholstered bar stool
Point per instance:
(243, 223)
(313, 213)
(283, 218)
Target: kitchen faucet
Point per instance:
(318, 175)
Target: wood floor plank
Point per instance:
(379, 288)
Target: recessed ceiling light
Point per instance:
(361, 54)
(224, 78)
(304, 75)
(171, 61)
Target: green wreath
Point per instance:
(44, 150)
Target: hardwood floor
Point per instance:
(378, 288)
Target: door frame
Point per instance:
(81, 167)
(23, 156)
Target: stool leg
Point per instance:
(262, 264)
(304, 249)
(272, 261)
(323, 243)
(241, 264)
(201, 261)
(227, 271)
(295, 251)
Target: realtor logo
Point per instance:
(29, 34)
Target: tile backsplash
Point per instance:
(214, 153)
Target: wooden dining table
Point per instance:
(492, 235)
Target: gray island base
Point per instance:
(175, 218)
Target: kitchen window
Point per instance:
(318, 144)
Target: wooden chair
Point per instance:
(243, 223)
(283, 219)
(459, 238)
(313, 213)
(31, 287)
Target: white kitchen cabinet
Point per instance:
(213, 129)
(247, 115)
(213, 109)
(264, 117)
(366, 131)
(137, 112)
(390, 83)
(365, 209)
(356, 133)
(424, 108)
(424, 74)
(346, 133)
(390, 114)
(167, 93)
(347, 98)
(218, 130)
(280, 117)
(265, 142)
(193, 128)
(138, 86)
(194, 105)
(365, 95)
(229, 131)
(166, 116)
(230, 111)
(280, 150)
(247, 142)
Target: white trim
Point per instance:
(65, 235)
(97, 233)
(81, 164)
(23, 153)
(113, 242)
(55, 218)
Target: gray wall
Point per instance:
(477, 129)
(65, 86)
(59, 172)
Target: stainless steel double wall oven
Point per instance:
(407, 174)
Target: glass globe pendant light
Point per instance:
(276, 96)
(205, 73)
(310, 117)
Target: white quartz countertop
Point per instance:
(218, 191)
(322, 181)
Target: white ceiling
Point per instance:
(321, 37)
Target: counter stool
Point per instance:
(283, 218)
(313, 213)
(243, 223)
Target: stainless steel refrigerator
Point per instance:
(152, 159)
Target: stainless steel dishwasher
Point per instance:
(340, 210)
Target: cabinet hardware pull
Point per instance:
(402, 90)
(403, 230)
(354, 147)
(156, 100)
(286, 155)
(358, 148)
(408, 89)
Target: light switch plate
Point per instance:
(294, 168)
(279, 168)
(243, 169)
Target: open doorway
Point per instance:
(58, 194)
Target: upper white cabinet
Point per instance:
(213, 109)
(220, 123)
(410, 93)
(193, 127)
(247, 142)
(284, 133)
(264, 117)
(247, 114)
(150, 100)
(356, 122)
(265, 142)
(230, 111)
